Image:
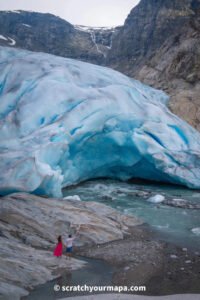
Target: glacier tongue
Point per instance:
(63, 121)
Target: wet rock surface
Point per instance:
(181, 203)
(29, 226)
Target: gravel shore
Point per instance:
(141, 259)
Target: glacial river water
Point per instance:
(169, 223)
(180, 226)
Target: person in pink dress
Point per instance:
(59, 247)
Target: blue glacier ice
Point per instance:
(63, 121)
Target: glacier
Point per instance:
(63, 121)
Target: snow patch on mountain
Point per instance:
(2, 37)
(98, 33)
(26, 25)
(12, 42)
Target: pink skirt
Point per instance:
(58, 250)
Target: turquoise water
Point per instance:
(170, 223)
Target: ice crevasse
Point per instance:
(63, 121)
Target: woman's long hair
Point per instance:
(60, 239)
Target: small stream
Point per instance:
(95, 273)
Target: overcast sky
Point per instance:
(80, 12)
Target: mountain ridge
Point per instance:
(44, 32)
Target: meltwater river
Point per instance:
(179, 225)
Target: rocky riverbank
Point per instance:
(142, 259)
(29, 226)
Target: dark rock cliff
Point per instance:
(51, 34)
(160, 45)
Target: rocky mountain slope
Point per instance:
(51, 34)
(159, 45)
